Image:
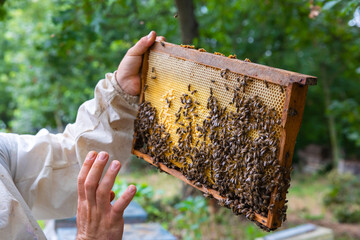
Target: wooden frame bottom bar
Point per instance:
(179, 175)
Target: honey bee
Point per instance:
(223, 73)
(266, 84)
(189, 87)
(243, 84)
(162, 43)
(207, 195)
(282, 89)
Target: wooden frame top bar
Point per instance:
(254, 70)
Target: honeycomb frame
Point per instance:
(201, 71)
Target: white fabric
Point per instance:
(39, 173)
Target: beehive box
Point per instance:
(224, 126)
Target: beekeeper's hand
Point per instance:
(96, 217)
(128, 73)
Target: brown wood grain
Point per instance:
(254, 70)
(291, 122)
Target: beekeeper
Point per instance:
(40, 174)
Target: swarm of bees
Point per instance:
(231, 151)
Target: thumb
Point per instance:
(142, 45)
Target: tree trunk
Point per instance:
(335, 150)
(59, 125)
(187, 19)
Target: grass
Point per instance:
(308, 185)
(305, 197)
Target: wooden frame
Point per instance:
(296, 89)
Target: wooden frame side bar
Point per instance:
(291, 122)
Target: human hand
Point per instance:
(96, 217)
(128, 73)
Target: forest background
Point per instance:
(53, 52)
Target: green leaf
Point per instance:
(330, 4)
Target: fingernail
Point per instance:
(102, 156)
(131, 189)
(150, 34)
(91, 155)
(115, 165)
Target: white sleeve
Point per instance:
(44, 167)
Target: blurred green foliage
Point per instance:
(347, 113)
(344, 197)
(192, 213)
(52, 53)
(144, 196)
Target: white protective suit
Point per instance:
(39, 173)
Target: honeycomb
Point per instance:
(169, 78)
(181, 97)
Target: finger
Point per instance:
(120, 205)
(112, 196)
(93, 178)
(89, 160)
(160, 38)
(142, 45)
(106, 184)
